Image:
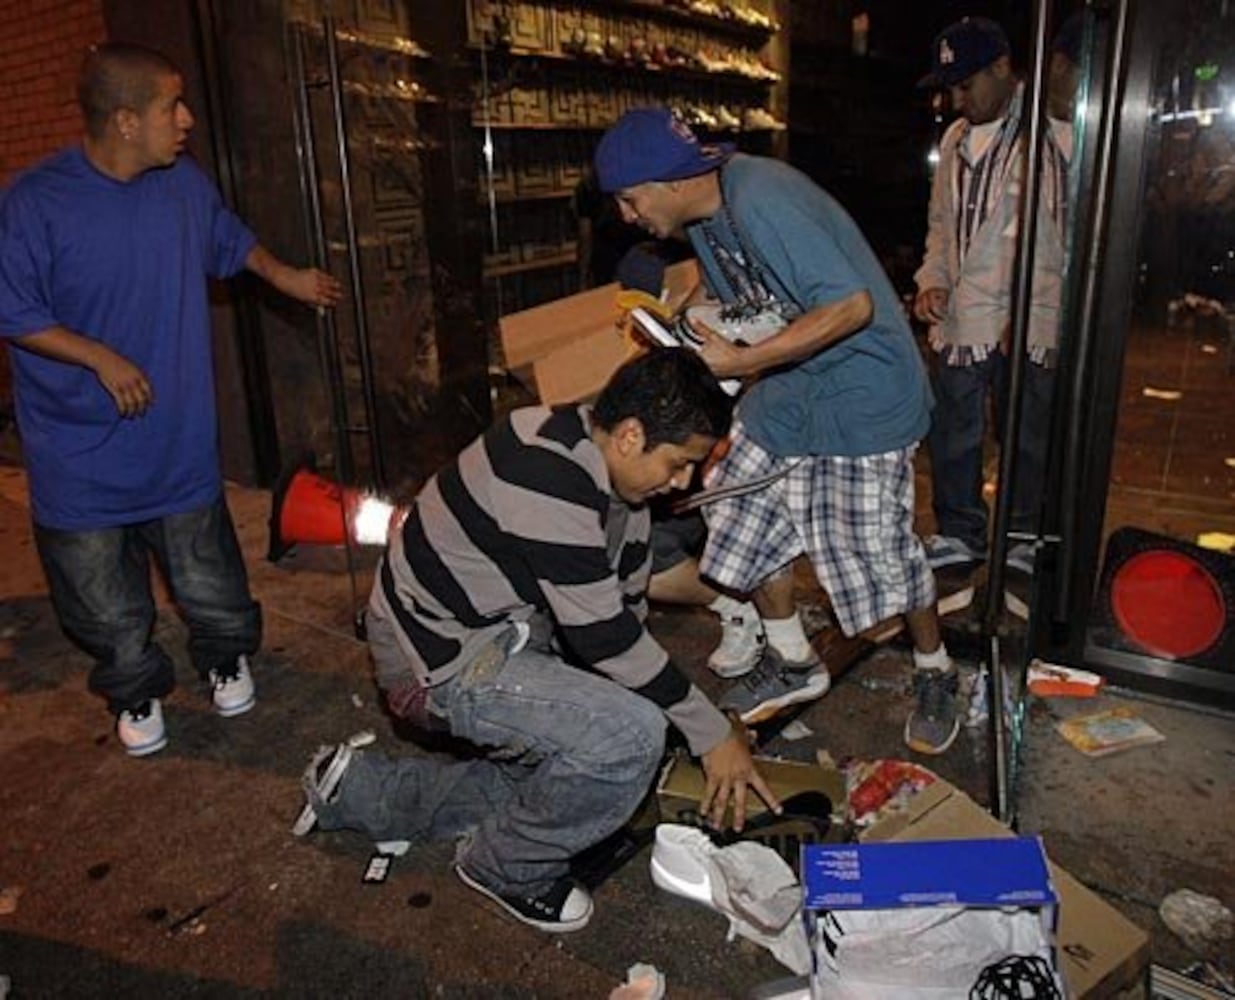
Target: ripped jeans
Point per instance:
(567, 758)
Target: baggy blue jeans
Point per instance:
(957, 434)
(100, 589)
(568, 757)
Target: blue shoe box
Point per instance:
(978, 873)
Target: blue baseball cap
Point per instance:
(965, 48)
(653, 144)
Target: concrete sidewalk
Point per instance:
(177, 875)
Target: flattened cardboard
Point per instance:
(1101, 952)
(682, 782)
(565, 350)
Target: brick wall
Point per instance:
(43, 45)
(44, 41)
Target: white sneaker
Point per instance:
(233, 691)
(741, 645)
(141, 729)
(679, 862)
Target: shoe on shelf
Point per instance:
(741, 645)
(232, 689)
(775, 684)
(321, 783)
(933, 723)
(943, 550)
(564, 907)
(1021, 558)
(141, 729)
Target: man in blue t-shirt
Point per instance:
(829, 425)
(105, 249)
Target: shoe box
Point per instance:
(1100, 952)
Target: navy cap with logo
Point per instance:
(653, 144)
(963, 49)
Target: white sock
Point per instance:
(938, 660)
(788, 637)
(726, 607)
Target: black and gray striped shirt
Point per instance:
(523, 523)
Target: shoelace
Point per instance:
(770, 667)
(935, 691)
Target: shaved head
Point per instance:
(119, 76)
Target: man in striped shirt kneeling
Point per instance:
(529, 551)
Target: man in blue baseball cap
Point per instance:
(837, 402)
(965, 284)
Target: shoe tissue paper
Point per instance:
(931, 920)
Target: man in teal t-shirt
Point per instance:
(838, 404)
(105, 251)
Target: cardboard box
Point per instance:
(990, 874)
(1100, 951)
(682, 782)
(565, 350)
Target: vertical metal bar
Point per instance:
(1079, 399)
(490, 194)
(353, 249)
(1022, 301)
(327, 331)
(328, 336)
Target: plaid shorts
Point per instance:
(853, 516)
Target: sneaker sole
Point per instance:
(307, 819)
(943, 562)
(917, 746)
(146, 749)
(817, 686)
(557, 927)
(234, 710)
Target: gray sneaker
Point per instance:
(933, 724)
(321, 784)
(775, 684)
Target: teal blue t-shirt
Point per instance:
(125, 264)
(866, 394)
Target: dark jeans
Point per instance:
(958, 430)
(100, 588)
(568, 757)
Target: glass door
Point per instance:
(1138, 579)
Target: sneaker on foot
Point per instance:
(232, 689)
(774, 684)
(1021, 558)
(565, 907)
(141, 729)
(933, 724)
(321, 783)
(943, 550)
(741, 646)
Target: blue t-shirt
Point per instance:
(125, 264)
(866, 394)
